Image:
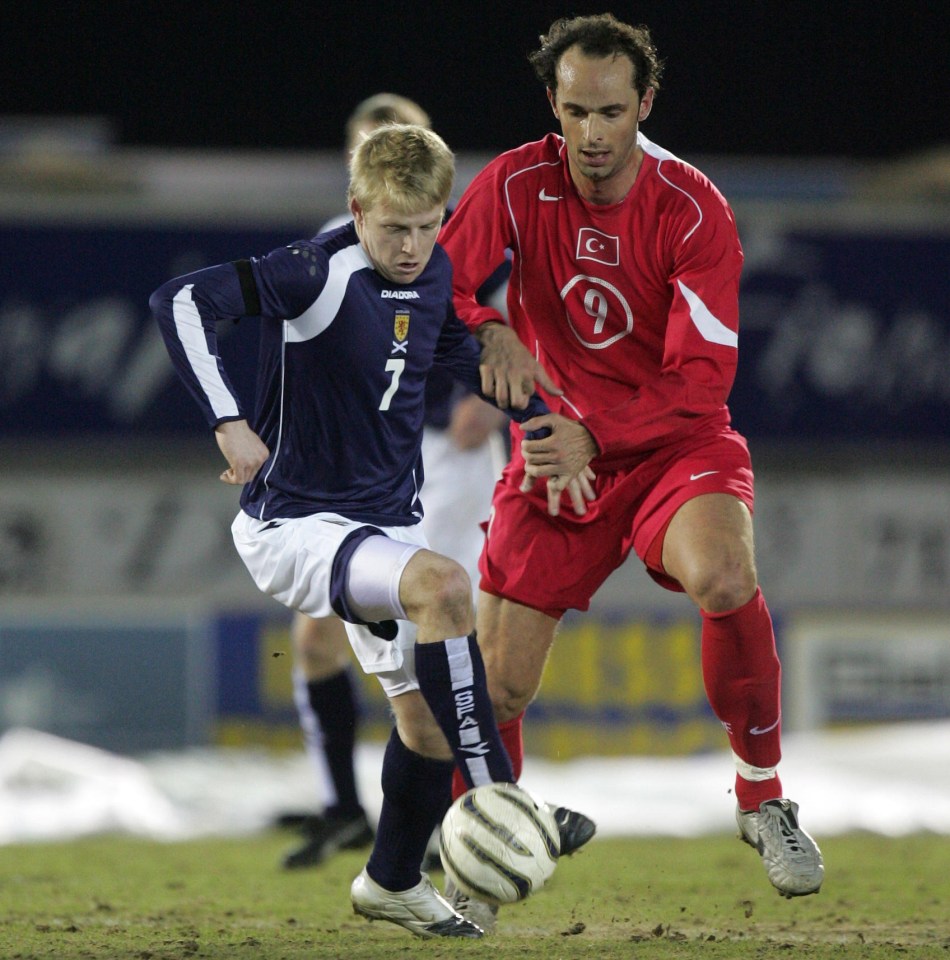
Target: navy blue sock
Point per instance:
(452, 679)
(416, 793)
(334, 702)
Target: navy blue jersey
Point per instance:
(442, 390)
(344, 358)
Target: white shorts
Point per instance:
(290, 559)
(457, 495)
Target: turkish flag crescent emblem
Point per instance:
(601, 247)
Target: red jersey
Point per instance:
(633, 308)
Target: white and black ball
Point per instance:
(499, 843)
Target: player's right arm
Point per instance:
(188, 309)
(244, 450)
(476, 237)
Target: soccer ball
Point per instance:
(498, 843)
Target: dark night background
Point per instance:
(849, 79)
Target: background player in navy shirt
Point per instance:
(351, 323)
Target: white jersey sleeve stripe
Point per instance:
(204, 364)
(711, 328)
(322, 312)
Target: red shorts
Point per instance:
(553, 564)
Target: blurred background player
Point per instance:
(464, 452)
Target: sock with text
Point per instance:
(511, 737)
(452, 680)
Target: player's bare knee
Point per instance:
(441, 596)
(508, 702)
(724, 588)
(320, 646)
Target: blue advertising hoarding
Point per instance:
(79, 350)
(845, 332)
(845, 335)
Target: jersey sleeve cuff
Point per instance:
(228, 419)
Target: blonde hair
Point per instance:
(380, 109)
(404, 165)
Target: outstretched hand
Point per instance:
(563, 457)
(509, 371)
(242, 448)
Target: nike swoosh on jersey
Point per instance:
(757, 732)
(708, 473)
(543, 195)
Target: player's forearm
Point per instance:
(468, 374)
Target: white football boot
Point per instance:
(421, 909)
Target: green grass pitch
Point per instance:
(116, 898)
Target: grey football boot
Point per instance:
(791, 857)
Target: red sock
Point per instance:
(742, 675)
(511, 737)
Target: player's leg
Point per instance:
(533, 569)
(517, 642)
(708, 549)
(416, 778)
(308, 564)
(389, 579)
(462, 466)
(436, 595)
(328, 708)
(433, 592)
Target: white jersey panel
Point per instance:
(204, 364)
